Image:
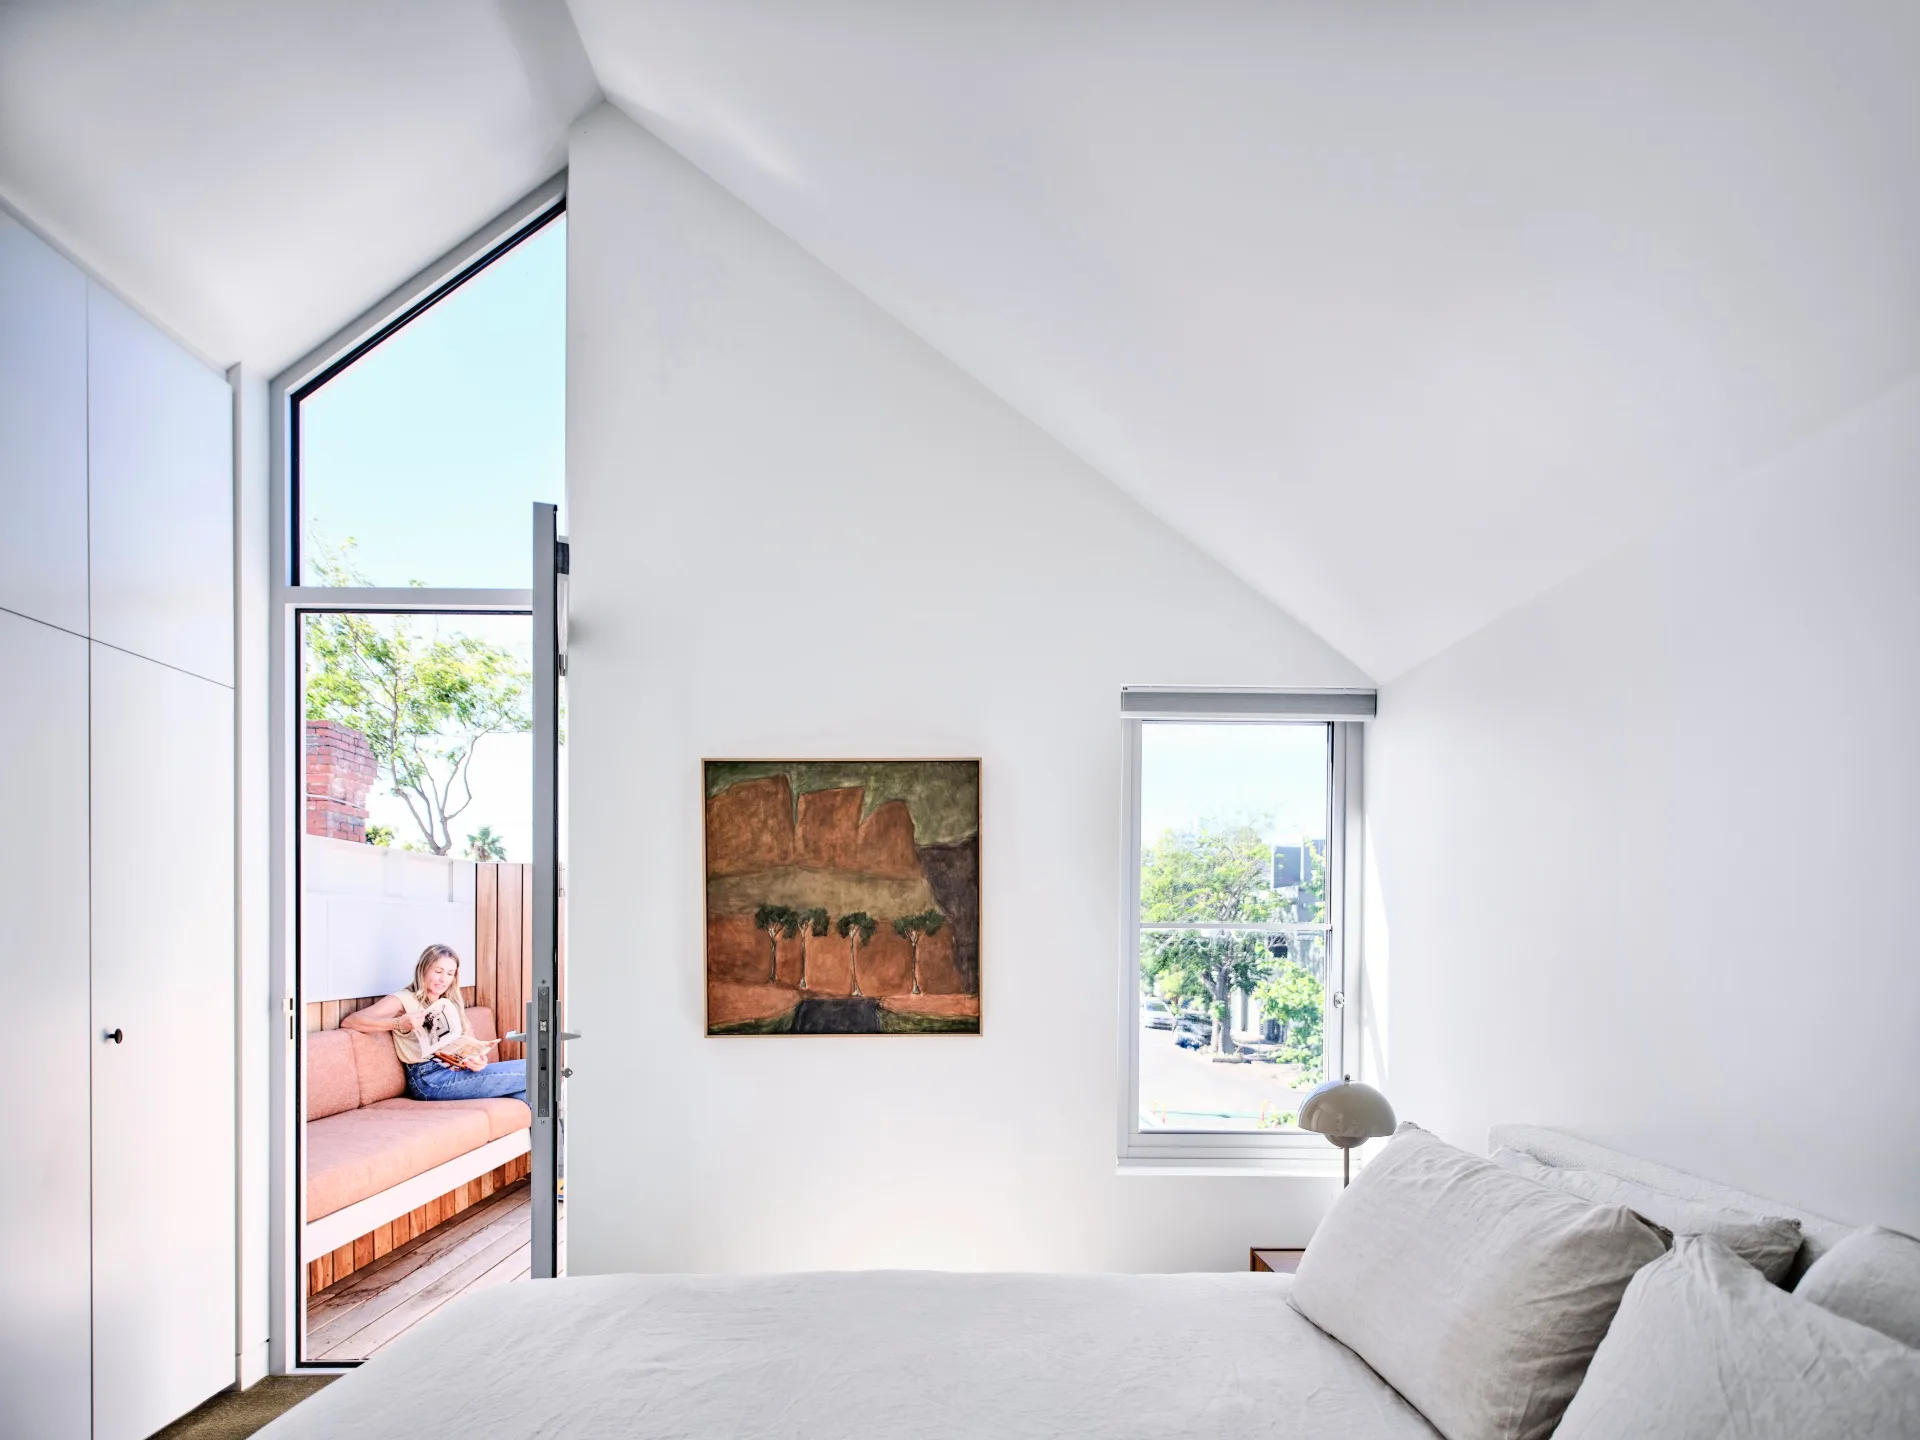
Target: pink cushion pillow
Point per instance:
(332, 1085)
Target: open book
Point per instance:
(462, 1048)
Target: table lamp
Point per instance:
(1348, 1114)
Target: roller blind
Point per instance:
(1153, 702)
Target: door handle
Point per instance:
(569, 1034)
(117, 1035)
(519, 1036)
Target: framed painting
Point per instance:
(842, 897)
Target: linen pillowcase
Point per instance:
(1872, 1277)
(1766, 1242)
(1705, 1348)
(1477, 1294)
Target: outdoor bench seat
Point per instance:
(368, 1149)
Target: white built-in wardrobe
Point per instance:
(117, 1246)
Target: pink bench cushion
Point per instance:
(503, 1116)
(364, 1136)
(362, 1152)
(332, 1084)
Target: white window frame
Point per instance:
(1346, 711)
(291, 600)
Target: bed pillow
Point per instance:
(1873, 1277)
(1705, 1348)
(1476, 1293)
(1766, 1242)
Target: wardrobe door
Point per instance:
(163, 1092)
(43, 431)
(44, 1340)
(160, 474)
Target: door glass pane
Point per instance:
(1233, 915)
(418, 461)
(417, 809)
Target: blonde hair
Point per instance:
(428, 957)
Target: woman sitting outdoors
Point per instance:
(429, 1027)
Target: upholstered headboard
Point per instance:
(1551, 1147)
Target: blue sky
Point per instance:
(429, 450)
(1272, 775)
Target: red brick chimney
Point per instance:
(340, 772)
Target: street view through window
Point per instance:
(1234, 923)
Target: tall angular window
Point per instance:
(416, 455)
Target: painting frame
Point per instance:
(943, 800)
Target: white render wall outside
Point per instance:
(367, 911)
(797, 531)
(1648, 846)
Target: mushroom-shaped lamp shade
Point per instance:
(1348, 1114)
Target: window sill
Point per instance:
(1295, 1166)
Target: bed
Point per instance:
(890, 1353)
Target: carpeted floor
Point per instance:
(236, 1414)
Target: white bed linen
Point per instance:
(859, 1354)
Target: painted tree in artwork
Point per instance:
(858, 929)
(811, 922)
(776, 920)
(916, 928)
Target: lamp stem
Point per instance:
(1346, 1167)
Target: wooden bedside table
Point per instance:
(1280, 1262)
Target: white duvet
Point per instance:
(864, 1354)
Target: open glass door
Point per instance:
(545, 1035)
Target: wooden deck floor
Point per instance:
(484, 1246)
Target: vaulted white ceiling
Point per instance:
(255, 174)
(1405, 312)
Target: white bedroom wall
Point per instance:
(1648, 845)
(797, 531)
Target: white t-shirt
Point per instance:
(444, 1020)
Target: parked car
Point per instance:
(1193, 1032)
(1155, 1015)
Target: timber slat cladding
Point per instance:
(337, 1265)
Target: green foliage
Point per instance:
(1211, 872)
(1292, 996)
(1214, 871)
(927, 922)
(423, 701)
(483, 844)
(811, 922)
(858, 923)
(379, 835)
(777, 920)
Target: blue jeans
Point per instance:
(430, 1080)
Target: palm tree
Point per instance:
(776, 920)
(485, 845)
(811, 922)
(916, 928)
(858, 928)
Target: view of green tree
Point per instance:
(424, 700)
(379, 834)
(1212, 872)
(1292, 996)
